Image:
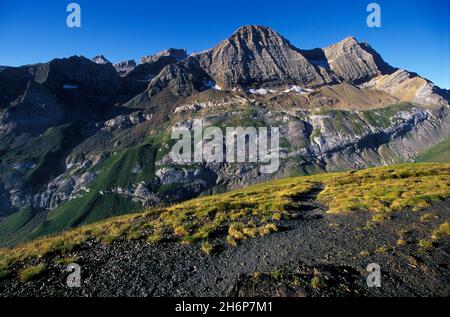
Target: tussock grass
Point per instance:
(395, 188)
(442, 231)
(207, 247)
(32, 272)
(425, 243)
(427, 217)
(401, 242)
(382, 249)
(66, 260)
(318, 282)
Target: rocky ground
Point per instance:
(315, 254)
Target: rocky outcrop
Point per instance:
(182, 79)
(62, 189)
(123, 122)
(180, 183)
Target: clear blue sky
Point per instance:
(414, 34)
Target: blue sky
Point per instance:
(414, 34)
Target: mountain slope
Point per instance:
(438, 153)
(82, 141)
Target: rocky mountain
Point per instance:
(253, 56)
(85, 140)
(355, 62)
(124, 67)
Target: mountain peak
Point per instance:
(253, 28)
(354, 61)
(257, 35)
(252, 57)
(349, 39)
(100, 59)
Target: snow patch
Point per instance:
(264, 91)
(298, 89)
(261, 91)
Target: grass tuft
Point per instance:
(32, 272)
(442, 231)
(207, 247)
(317, 282)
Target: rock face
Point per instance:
(182, 79)
(355, 62)
(124, 67)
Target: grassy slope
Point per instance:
(114, 172)
(46, 151)
(257, 209)
(439, 153)
(16, 221)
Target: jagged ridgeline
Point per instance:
(83, 140)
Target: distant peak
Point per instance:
(100, 59)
